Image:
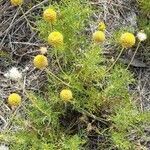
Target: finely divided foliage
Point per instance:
(86, 86)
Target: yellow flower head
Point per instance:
(16, 2)
(14, 99)
(66, 95)
(40, 61)
(49, 15)
(102, 26)
(98, 36)
(55, 39)
(127, 40)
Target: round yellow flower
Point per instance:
(55, 39)
(49, 15)
(40, 61)
(14, 99)
(127, 40)
(66, 95)
(102, 26)
(98, 36)
(16, 2)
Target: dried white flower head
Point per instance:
(3, 147)
(141, 36)
(43, 50)
(13, 74)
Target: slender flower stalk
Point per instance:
(52, 74)
(115, 60)
(57, 59)
(134, 55)
(30, 97)
(127, 40)
(141, 37)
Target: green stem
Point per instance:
(57, 59)
(31, 98)
(133, 55)
(51, 74)
(115, 60)
(51, 27)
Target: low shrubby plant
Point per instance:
(85, 81)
